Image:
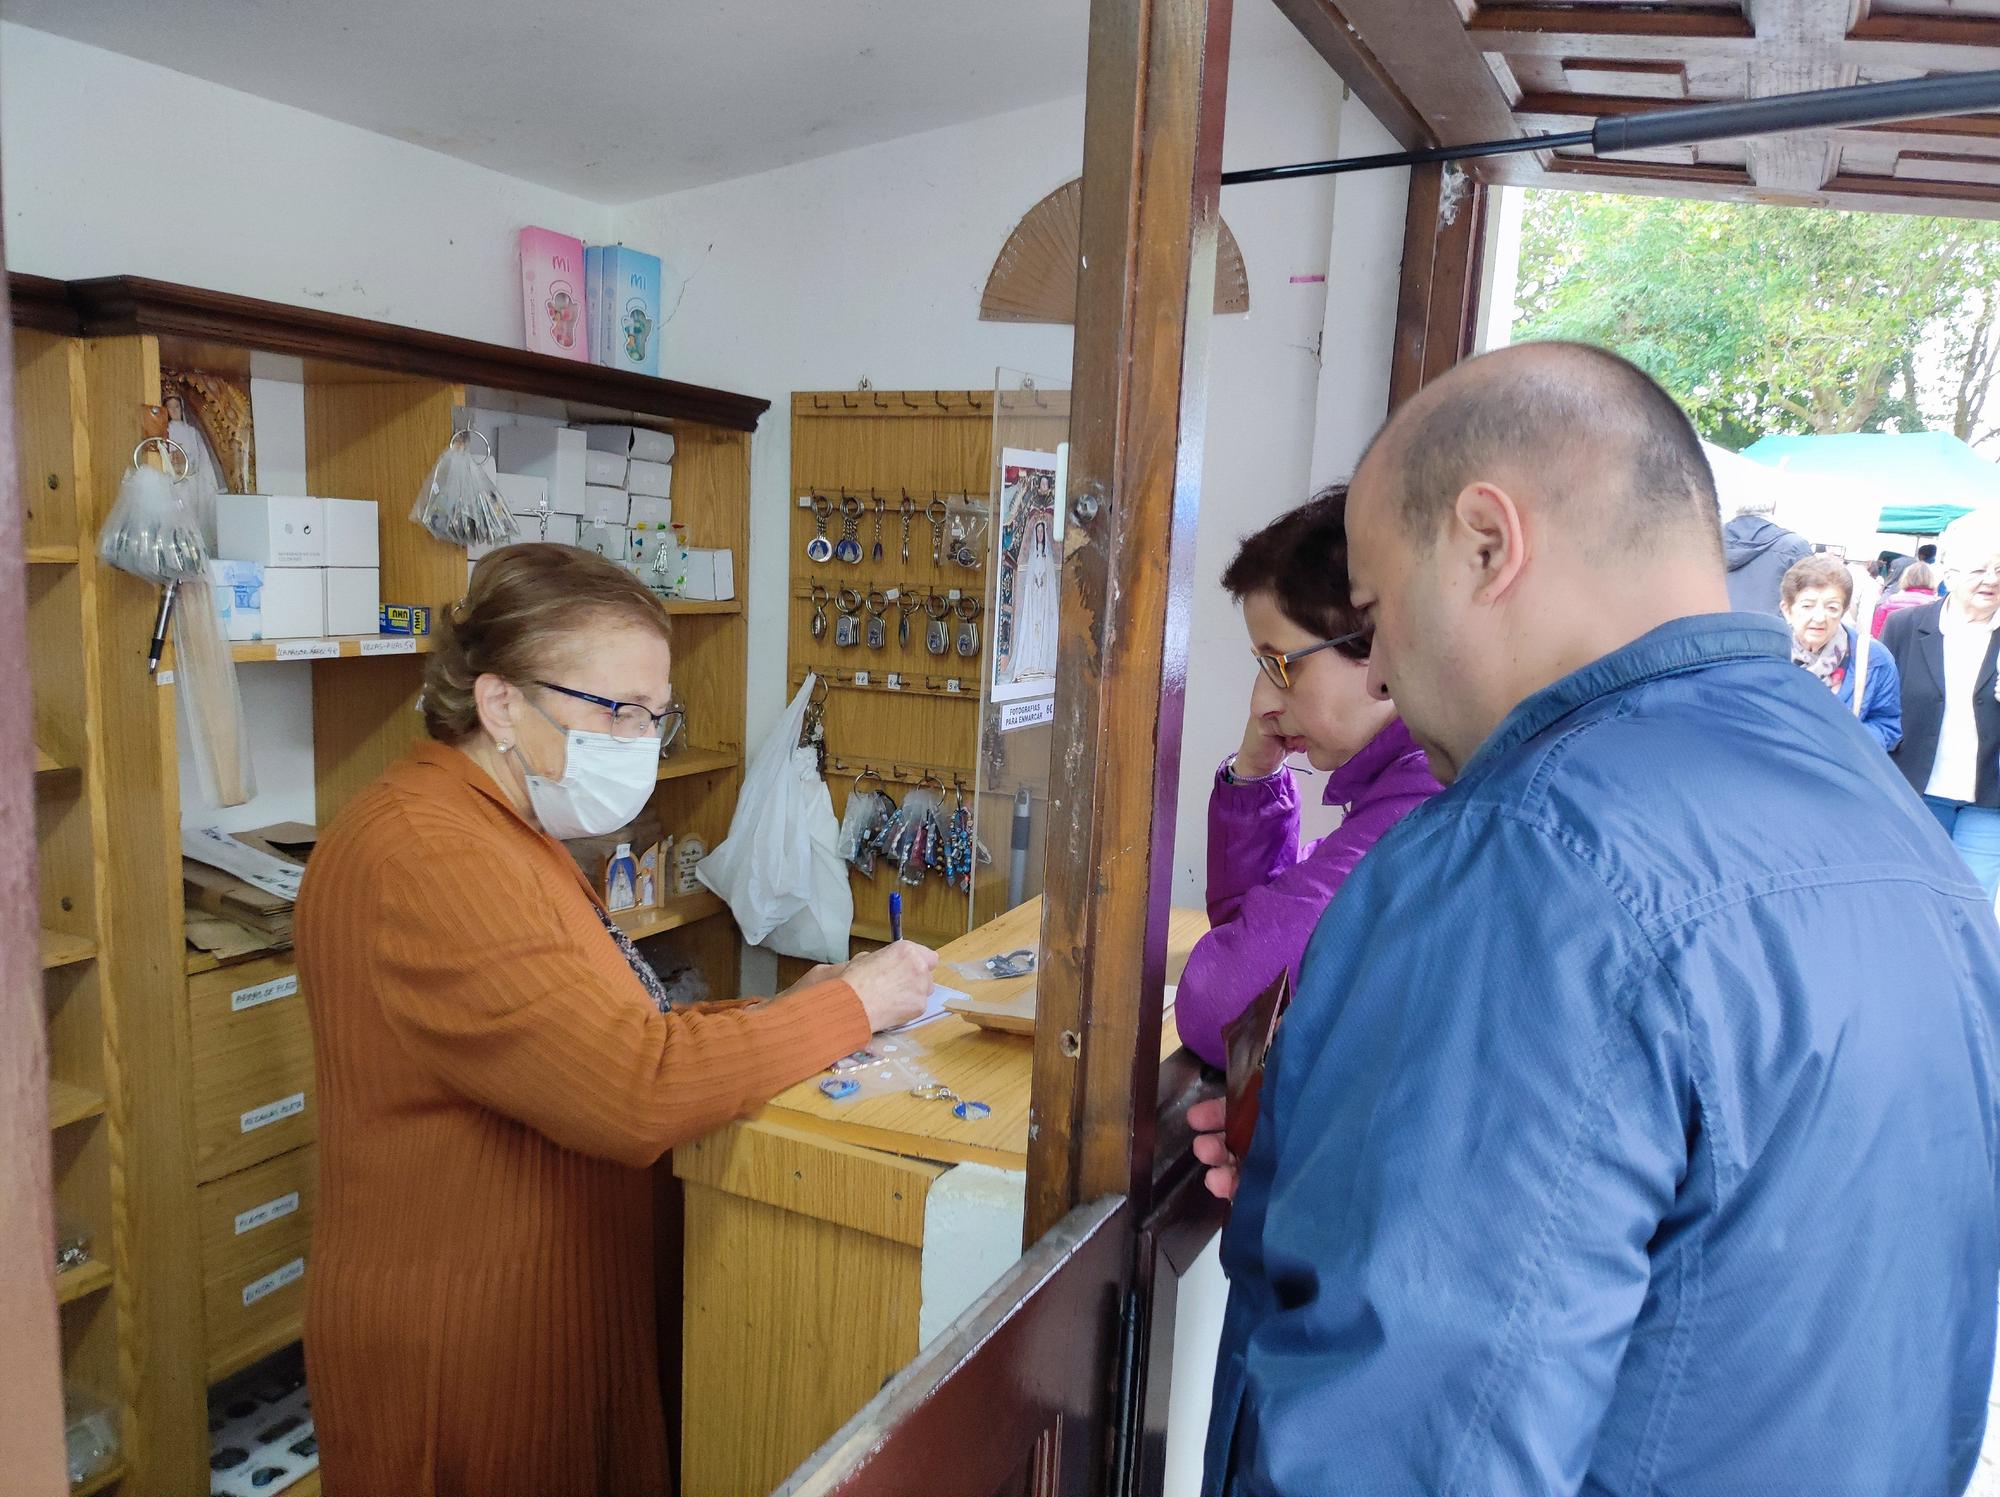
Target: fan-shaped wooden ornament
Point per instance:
(1034, 279)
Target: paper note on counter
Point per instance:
(933, 1008)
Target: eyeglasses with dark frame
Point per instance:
(630, 720)
(1277, 668)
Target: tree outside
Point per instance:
(1766, 320)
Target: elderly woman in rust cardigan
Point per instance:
(496, 1067)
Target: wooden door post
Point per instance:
(1158, 77)
(1437, 307)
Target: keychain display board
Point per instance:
(897, 707)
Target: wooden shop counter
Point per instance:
(827, 1241)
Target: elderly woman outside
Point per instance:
(1951, 718)
(1813, 596)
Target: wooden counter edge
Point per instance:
(804, 1171)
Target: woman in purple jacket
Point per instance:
(1266, 892)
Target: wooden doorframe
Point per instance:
(1153, 115)
(31, 1416)
(1437, 304)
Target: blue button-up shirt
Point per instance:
(1633, 1129)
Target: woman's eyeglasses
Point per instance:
(630, 719)
(1277, 669)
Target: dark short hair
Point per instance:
(1300, 558)
(1586, 416)
(1816, 571)
(1927, 552)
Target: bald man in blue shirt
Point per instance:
(1597, 1153)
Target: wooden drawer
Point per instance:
(253, 1069)
(256, 1227)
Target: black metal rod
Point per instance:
(1864, 104)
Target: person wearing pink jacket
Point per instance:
(1266, 892)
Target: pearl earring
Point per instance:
(506, 748)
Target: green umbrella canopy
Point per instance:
(1926, 479)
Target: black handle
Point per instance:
(1867, 103)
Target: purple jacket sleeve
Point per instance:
(1263, 899)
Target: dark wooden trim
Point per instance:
(1497, 27)
(1651, 171)
(1023, 1378)
(1326, 30)
(118, 305)
(1903, 28)
(1152, 162)
(1437, 305)
(38, 302)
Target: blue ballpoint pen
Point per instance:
(896, 916)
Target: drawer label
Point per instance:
(308, 649)
(274, 1112)
(393, 646)
(264, 992)
(264, 1215)
(273, 1281)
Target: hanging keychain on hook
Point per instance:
(849, 549)
(969, 609)
(819, 549)
(878, 628)
(876, 554)
(937, 638)
(847, 630)
(907, 603)
(819, 602)
(935, 513)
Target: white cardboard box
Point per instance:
(295, 603)
(238, 590)
(522, 493)
(711, 576)
(606, 540)
(607, 468)
(651, 511)
(353, 600)
(606, 506)
(561, 529)
(643, 477)
(353, 536)
(632, 441)
(554, 453)
(278, 530)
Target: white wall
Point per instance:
(119, 167)
(871, 263)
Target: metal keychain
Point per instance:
(819, 548)
(935, 513)
(876, 554)
(878, 628)
(969, 609)
(970, 550)
(909, 512)
(847, 629)
(937, 639)
(849, 548)
(907, 603)
(962, 1107)
(819, 602)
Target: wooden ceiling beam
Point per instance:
(1955, 44)
(1327, 32)
(1422, 45)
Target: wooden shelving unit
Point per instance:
(151, 1061)
(673, 913)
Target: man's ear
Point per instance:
(1491, 534)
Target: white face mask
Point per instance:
(605, 783)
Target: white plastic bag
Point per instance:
(779, 869)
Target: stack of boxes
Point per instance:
(604, 488)
(292, 567)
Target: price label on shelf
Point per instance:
(308, 649)
(164, 678)
(952, 686)
(861, 678)
(894, 683)
(389, 644)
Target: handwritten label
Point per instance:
(274, 1112)
(952, 686)
(273, 1281)
(264, 992)
(1027, 714)
(308, 649)
(1308, 280)
(264, 1215)
(894, 682)
(165, 678)
(861, 678)
(390, 646)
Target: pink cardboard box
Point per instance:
(552, 295)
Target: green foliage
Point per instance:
(1773, 319)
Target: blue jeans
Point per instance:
(1975, 832)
